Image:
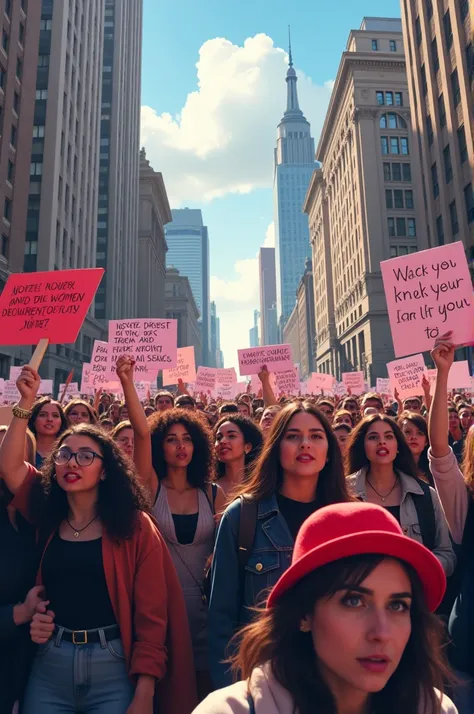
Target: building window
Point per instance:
(43, 61)
(399, 99)
(409, 199)
(391, 227)
(396, 172)
(442, 111)
(387, 174)
(448, 30)
(19, 68)
(393, 46)
(435, 55)
(406, 168)
(469, 201)
(394, 145)
(8, 7)
(11, 170)
(13, 135)
(388, 199)
(46, 25)
(411, 227)
(429, 130)
(398, 198)
(389, 99)
(5, 40)
(401, 227)
(440, 230)
(434, 180)
(424, 84)
(462, 144)
(21, 34)
(392, 121)
(7, 209)
(418, 31)
(453, 216)
(36, 168)
(404, 146)
(16, 102)
(4, 245)
(448, 166)
(3, 75)
(38, 131)
(384, 144)
(375, 44)
(41, 94)
(455, 87)
(380, 98)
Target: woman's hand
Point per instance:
(443, 353)
(124, 368)
(425, 385)
(264, 374)
(28, 384)
(24, 611)
(42, 624)
(142, 702)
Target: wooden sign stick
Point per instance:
(39, 353)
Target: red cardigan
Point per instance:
(148, 603)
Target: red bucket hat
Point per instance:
(346, 529)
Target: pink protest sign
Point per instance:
(406, 375)
(354, 381)
(383, 386)
(319, 381)
(205, 380)
(50, 305)
(428, 293)
(99, 375)
(151, 342)
(288, 382)
(459, 376)
(185, 368)
(277, 358)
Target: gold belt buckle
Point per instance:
(79, 632)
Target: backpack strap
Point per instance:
(251, 703)
(426, 515)
(247, 528)
(212, 504)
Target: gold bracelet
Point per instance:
(21, 413)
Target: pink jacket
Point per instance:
(269, 697)
(452, 491)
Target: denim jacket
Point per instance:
(230, 600)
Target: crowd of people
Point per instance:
(269, 555)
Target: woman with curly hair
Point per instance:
(238, 441)
(107, 626)
(47, 422)
(78, 411)
(174, 455)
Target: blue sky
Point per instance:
(224, 113)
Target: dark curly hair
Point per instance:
(201, 467)
(38, 407)
(252, 435)
(81, 402)
(121, 495)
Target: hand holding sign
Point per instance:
(28, 384)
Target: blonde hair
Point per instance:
(467, 466)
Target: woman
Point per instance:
(237, 443)
(108, 578)
(298, 471)
(415, 430)
(342, 416)
(342, 432)
(383, 472)
(18, 596)
(175, 459)
(268, 417)
(348, 628)
(114, 413)
(455, 486)
(466, 417)
(78, 411)
(123, 435)
(456, 434)
(47, 422)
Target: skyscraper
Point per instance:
(268, 296)
(188, 251)
(293, 166)
(215, 356)
(117, 220)
(253, 332)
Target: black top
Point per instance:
(74, 581)
(395, 511)
(18, 566)
(185, 527)
(295, 512)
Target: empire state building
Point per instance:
(294, 164)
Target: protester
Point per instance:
(372, 400)
(415, 431)
(342, 416)
(466, 417)
(342, 433)
(347, 628)
(327, 408)
(237, 443)
(382, 470)
(298, 471)
(78, 411)
(47, 422)
(113, 626)
(185, 401)
(268, 417)
(114, 413)
(244, 408)
(351, 405)
(456, 434)
(123, 435)
(164, 400)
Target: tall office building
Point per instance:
(439, 40)
(117, 220)
(64, 172)
(216, 358)
(188, 251)
(366, 203)
(18, 66)
(268, 296)
(293, 166)
(254, 340)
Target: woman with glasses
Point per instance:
(113, 622)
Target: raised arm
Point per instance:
(269, 398)
(13, 469)
(438, 427)
(425, 385)
(141, 431)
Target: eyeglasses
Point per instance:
(85, 457)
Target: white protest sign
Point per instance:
(288, 382)
(11, 395)
(151, 342)
(354, 381)
(142, 390)
(406, 375)
(205, 380)
(320, 381)
(275, 357)
(185, 369)
(383, 386)
(72, 391)
(14, 373)
(46, 387)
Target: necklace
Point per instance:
(77, 531)
(179, 490)
(382, 498)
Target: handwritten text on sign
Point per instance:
(276, 357)
(406, 375)
(152, 343)
(205, 380)
(52, 305)
(354, 381)
(428, 293)
(185, 370)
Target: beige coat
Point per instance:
(269, 697)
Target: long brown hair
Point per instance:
(81, 402)
(468, 460)
(266, 476)
(356, 457)
(275, 638)
(420, 422)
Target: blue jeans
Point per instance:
(68, 678)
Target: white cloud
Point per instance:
(270, 236)
(223, 138)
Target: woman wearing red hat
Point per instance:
(348, 628)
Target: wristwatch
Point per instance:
(21, 413)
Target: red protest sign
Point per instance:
(50, 305)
